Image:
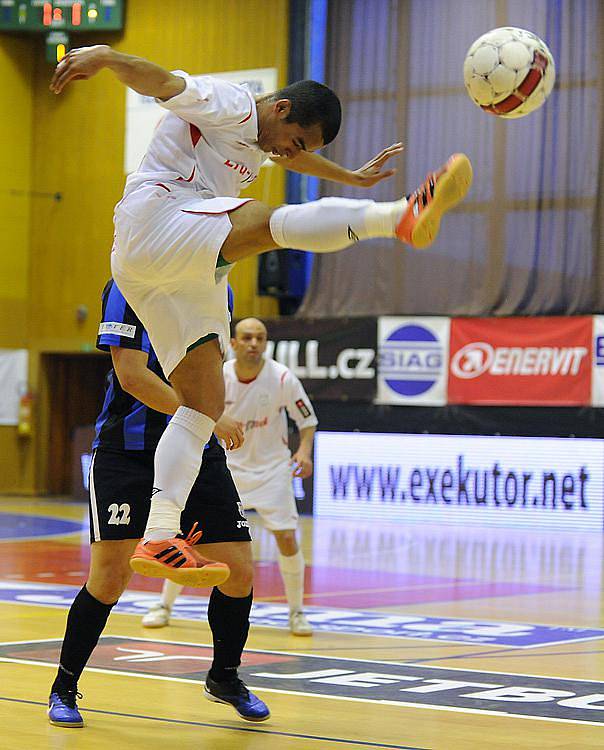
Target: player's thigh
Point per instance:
(273, 500)
(198, 379)
(120, 485)
(250, 233)
(214, 503)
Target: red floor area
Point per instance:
(56, 562)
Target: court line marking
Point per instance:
(444, 641)
(225, 726)
(399, 704)
(337, 658)
(352, 699)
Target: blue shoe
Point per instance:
(63, 709)
(235, 693)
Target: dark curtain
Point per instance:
(528, 240)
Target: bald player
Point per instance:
(258, 393)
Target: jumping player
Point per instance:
(258, 392)
(180, 224)
(138, 400)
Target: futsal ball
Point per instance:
(509, 72)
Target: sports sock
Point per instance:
(229, 620)
(177, 462)
(292, 572)
(331, 224)
(85, 623)
(169, 593)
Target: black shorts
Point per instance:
(120, 495)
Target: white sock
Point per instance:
(292, 572)
(177, 462)
(169, 593)
(331, 224)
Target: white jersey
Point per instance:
(260, 407)
(207, 142)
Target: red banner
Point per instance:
(520, 361)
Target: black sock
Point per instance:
(229, 619)
(85, 623)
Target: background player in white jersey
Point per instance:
(181, 223)
(258, 392)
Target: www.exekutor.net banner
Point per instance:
(472, 480)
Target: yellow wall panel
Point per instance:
(73, 145)
(16, 71)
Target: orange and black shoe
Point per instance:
(441, 191)
(176, 560)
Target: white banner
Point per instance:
(143, 113)
(597, 372)
(13, 383)
(413, 356)
(472, 480)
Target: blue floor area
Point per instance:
(20, 526)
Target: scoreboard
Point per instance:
(38, 16)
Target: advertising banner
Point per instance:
(597, 374)
(470, 480)
(413, 355)
(333, 357)
(520, 361)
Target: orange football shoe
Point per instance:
(176, 560)
(441, 191)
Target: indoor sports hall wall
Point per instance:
(16, 70)
(55, 253)
(528, 239)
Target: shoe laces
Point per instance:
(193, 536)
(238, 687)
(426, 192)
(68, 697)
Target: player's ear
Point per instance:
(283, 107)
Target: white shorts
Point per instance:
(167, 241)
(272, 497)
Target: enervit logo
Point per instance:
(411, 359)
(472, 360)
(478, 357)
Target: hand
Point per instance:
(81, 63)
(230, 431)
(302, 464)
(371, 173)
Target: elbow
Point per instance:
(130, 383)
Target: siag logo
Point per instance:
(411, 359)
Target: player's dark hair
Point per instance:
(313, 104)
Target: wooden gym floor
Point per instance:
(426, 637)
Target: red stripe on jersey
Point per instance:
(161, 184)
(195, 134)
(245, 119)
(189, 178)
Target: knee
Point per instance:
(107, 585)
(287, 543)
(240, 581)
(210, 405)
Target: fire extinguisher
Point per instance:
(25, 414)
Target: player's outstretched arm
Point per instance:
(139, 74)
(318, 166)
